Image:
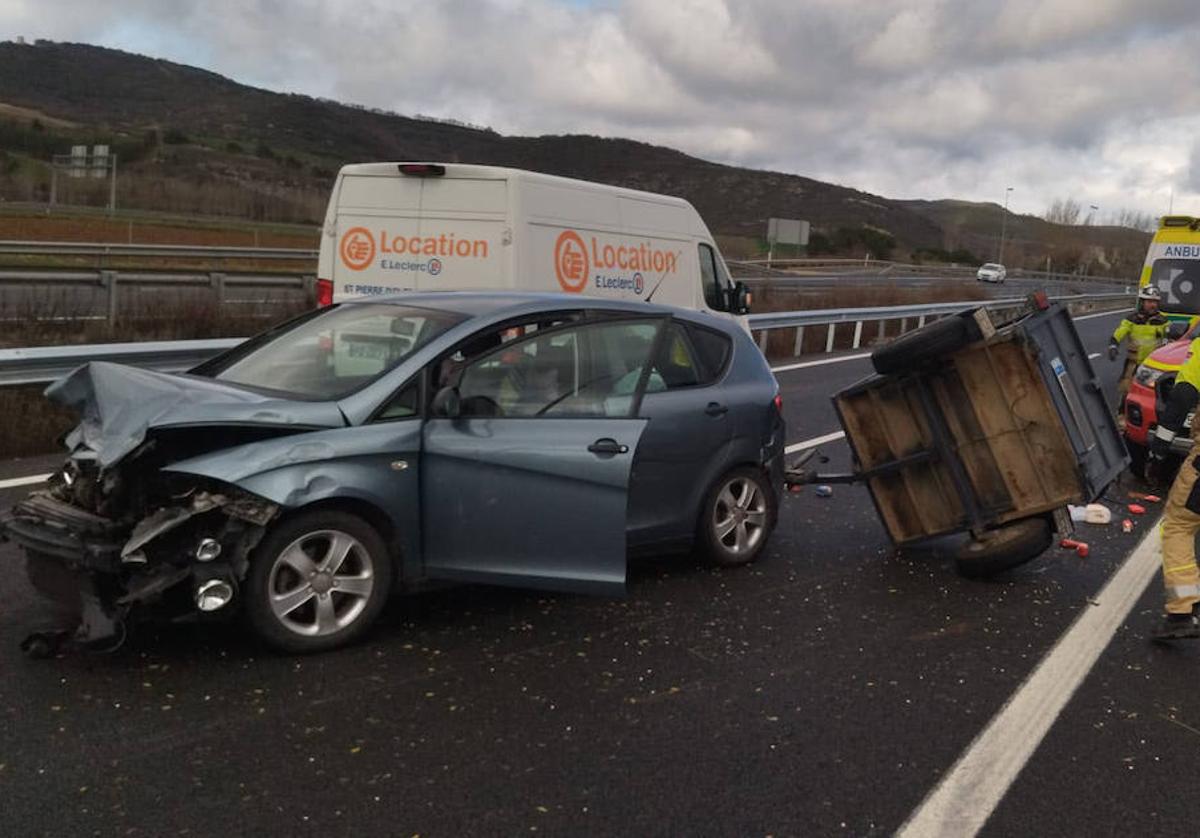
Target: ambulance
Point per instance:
(443, 226)
(1173, 267)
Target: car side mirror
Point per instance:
(1176, 330)
(446, 403)
(742, 298)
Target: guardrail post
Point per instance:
(857, 335)
(310, 287)
(798, 346)
(921, 322)
(108, 279)
(879, 336)
(762, 340)
(829, 339)
(903, 325)
(217, 280)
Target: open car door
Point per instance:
(528, 484)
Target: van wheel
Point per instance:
(737, 518)
(932, 341)
(1005, 548)
(318, 580)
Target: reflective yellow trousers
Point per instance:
(1180, 525)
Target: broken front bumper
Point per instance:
(95, 569)
(49, 527)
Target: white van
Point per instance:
(433, 226)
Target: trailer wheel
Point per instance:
(1005, 548)
(932, 341)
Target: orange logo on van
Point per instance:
(570, 262)
(357, 248)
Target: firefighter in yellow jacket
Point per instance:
(1146, 329)
(1181, 518)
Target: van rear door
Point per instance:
(409, 233)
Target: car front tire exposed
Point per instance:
(318, 580)
(737, 518)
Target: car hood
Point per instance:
(118, 405)
(1171, 356)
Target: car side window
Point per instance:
(709, 279)
(712, 351)
(690, 357)
(583, 370)
(404, 405)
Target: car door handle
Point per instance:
(715, 409)
(608, 446)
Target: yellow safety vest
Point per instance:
(1145, 334)
(1189, 373)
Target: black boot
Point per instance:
(1179, 627)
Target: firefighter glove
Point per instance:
(1112, 350)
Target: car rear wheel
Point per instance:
(317, 581)
(737, 518)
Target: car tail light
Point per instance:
(324, 292)
(422, 169)
(778, 402)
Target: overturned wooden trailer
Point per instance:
(991, 429)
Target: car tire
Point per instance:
(737, 518)
(932, 341)
(301, 598)
(1004, 548)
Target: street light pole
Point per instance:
(1003, 226)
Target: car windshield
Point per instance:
(991, 266)
(336, 352)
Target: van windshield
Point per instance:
(1178, 280)
(336, 352)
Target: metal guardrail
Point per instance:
(767, 322)
(43, 364)
(176, 251)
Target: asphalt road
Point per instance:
(824, 690)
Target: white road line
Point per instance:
(814, 442)
(838, 360)
(23, 481)
(965, 798)
(1093, 355)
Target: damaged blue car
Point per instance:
(375, 446)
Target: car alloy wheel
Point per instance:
(321, 583)
(740, 515)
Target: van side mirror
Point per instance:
(1177, 329)
(446, 403)
(742, 298)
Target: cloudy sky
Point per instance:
(1093, 99)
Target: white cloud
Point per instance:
(1096, 99)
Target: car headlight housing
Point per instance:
(1148, 376)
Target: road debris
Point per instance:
(1080, 547)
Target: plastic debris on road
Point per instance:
(1080, 547)
(1127, 525)
(824, 491)
(1137, 509)
(1093, 513)
(1143, 496)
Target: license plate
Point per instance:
(371, 351)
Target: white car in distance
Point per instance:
(991, 272)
